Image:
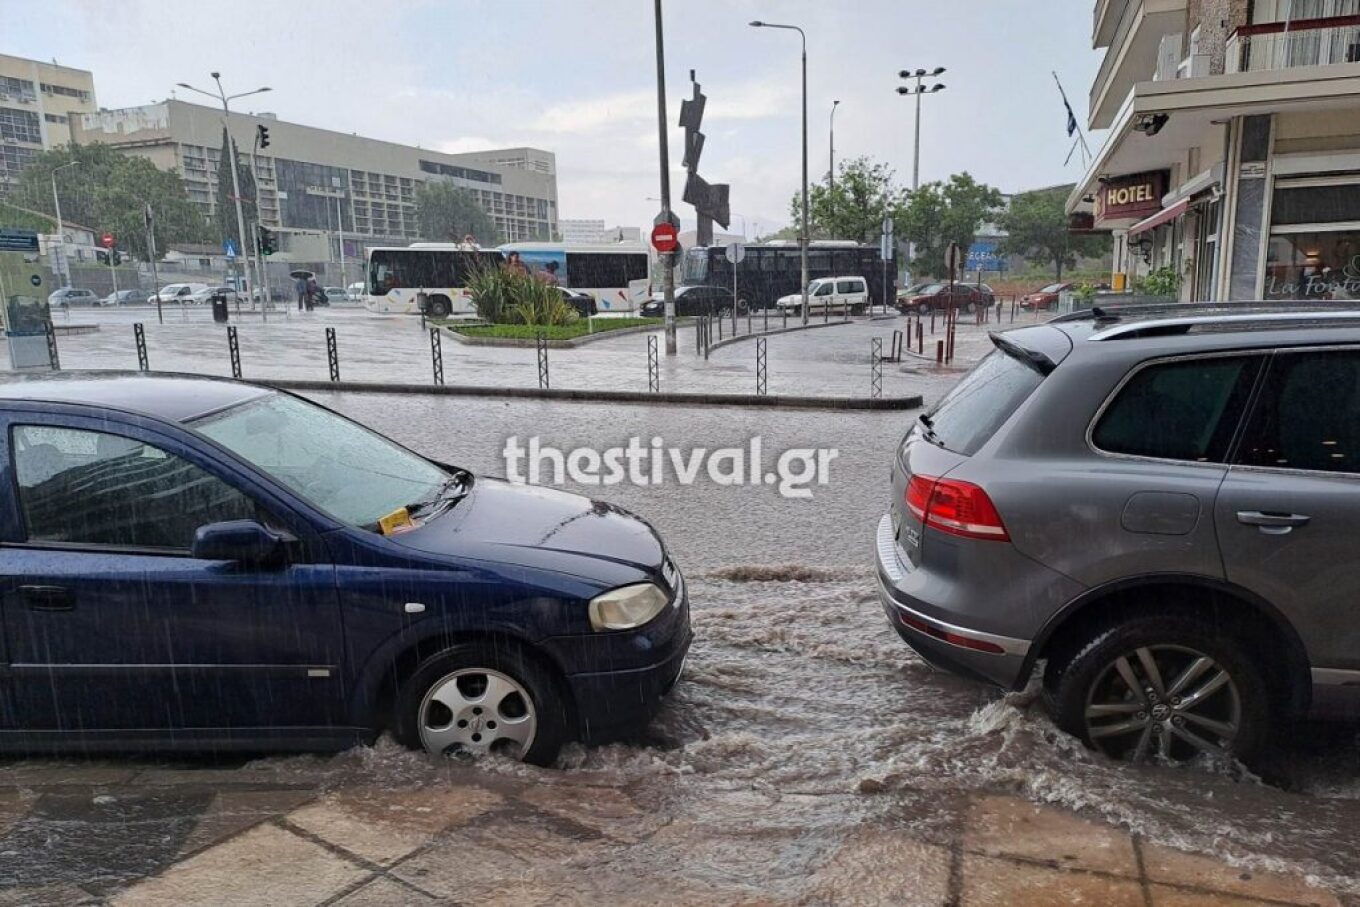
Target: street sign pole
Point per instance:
(150, 219)
(108, 241)
(666, 216)
(735, 253)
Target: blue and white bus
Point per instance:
(618, 275)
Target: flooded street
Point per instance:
(807, 755)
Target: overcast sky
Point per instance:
(578, 77)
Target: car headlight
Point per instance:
(628, 607)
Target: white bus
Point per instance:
(618, 275)
(395, 276)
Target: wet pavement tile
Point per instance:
(1163, 896)
(1010, 827)
(233, 811)
(267, 866)
(385, 892)
(877, 867)
(461, 869)
(46, 896)
(991, 881)
(98, 840)
(39, 773)
(1176, 867)
(383, 826)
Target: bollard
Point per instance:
(53, 357)
(332, 354)
(698, 337)
(897, 346)
(785, 310)
(653, 366)
(939, 352)
(876, 368)
(139, 335)
(749, 329)
(437, 355)
(920, 338)
(542, 341)
(762, 367)
(234, 351)
(720, 329)
(766, 310)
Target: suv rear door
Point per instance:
(1288, 513)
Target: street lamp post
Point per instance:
(225, 98)
(832, 171)
(61, 228)
(803, 239)
(918, 90)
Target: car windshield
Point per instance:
(932, 288)
(1053, 288)
(351, 473)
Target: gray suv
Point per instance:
(1161, 507)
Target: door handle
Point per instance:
(48, 598)
(1272, 523)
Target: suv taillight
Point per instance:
(958, 508)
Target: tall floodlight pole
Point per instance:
(61, 226)
(831, 173)
(919, 90)
(225, 98)
(803, 239)
(667, 258)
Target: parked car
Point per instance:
(124, 297)
(941, 297)
(1045, 298)
(205, 295)
(241, 568)
(691, 301)
(177, 292)
(1155, 503)
(835, 294)
(583, 303)
(336, 294)
(69, 296)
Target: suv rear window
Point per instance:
(982, 402)
(1184, 410)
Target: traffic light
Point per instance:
(262, 137)
(265, 242)
(117, 256)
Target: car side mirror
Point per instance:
(240, 541)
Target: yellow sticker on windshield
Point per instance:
(397, 522)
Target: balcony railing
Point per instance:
(1303, 42)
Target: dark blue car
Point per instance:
(191, 563)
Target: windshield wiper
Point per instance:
(448, 494)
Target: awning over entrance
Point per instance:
(1165, 216)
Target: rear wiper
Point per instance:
(928, 426)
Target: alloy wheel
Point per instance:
(477, 710)
(1164, 703)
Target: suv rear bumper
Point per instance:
(945, 645)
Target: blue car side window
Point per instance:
(95, 488)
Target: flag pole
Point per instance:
(1081, 136)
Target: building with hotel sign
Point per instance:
(319, 184)
(1233, 149)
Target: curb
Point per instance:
(601, 396)
(574, 342)
(728, 341)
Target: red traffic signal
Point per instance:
(107, 240)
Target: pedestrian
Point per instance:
(313, 292)
(300, 285)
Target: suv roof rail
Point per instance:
(1240, 320)
(1150, 310)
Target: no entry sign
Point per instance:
(107, 240)
(665, 238)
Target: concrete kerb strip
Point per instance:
(800, 327)
(600, 396)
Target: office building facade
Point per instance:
(37, 103)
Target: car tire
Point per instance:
(1086, 692)
(438, 307)
(923, 308)
(526, 690)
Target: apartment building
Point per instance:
(334, 183)
(1233, 149)
(37, 102)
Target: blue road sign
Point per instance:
(229, 247)
(986, 255)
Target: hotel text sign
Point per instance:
(1131, 197)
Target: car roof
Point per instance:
(173, 398)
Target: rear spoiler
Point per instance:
(1033, 358)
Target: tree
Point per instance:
(226, 205)
(108, 192)
(448, 213)
(1037, 229)
(863, 195)
(942, 213)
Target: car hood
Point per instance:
(544, 529)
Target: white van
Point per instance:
(835, 294)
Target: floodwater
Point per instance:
(801, 712)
